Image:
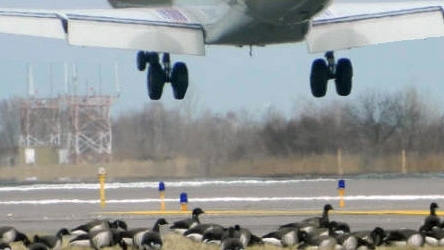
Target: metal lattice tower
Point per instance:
(80, 126)
(40, 120)
(90, 137)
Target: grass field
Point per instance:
(326, 164)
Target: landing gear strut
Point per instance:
(324, 70)
(160, 73)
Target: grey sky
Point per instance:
(227, 78)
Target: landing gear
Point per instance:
(324, 70)
(344, 75)
(179, 80)
(155, 81)
(141, 60)
(319, 78)
(160, 73)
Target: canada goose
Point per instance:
(106, 238)
(404, 237)
(120, 225)
(10, 234)
(434, 237)
(38, 246)
(245, 236)
(320, 242)
(432, 220)
(310, 225)
(151, 240)
(322, 221)
(101, 238)
(81, 240)
(182, 225)
(364, 245)
(283, 237)
(197, 232)
(374, 238)
(53, 242)
(5, 246)
(139, 234)
(303, 226)
(339, 227)
(97, 238)
(90, 226)
(128, 236)
(347, 241)
(98, 225)
(230, 242)
(214, 235)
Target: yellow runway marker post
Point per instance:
(162, 195)
(183, 201)
(341, 188)
(102, 177)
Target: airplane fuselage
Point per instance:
(244, 22)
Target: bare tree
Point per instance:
(375, 124)
(274, 134)
(378, 117)
(9, 123)
(417, 117)
(9, 130)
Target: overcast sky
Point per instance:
(226, 79)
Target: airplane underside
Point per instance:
(250, 24)
(160, 70)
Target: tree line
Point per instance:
(377, 124)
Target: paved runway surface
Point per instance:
(47, 207)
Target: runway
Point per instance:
(259, 204)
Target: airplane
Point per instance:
(158, 28)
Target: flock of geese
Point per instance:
(315, 232)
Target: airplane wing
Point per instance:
(349, 25)
(162, 29)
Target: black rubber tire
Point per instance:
(344, 76)
(319, 78)
(141, 60)
(179, 80)
(155, 81)
(166, 58)
(153, 57)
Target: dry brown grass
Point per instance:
(117, 170)
(326, 164)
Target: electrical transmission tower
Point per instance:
(79, 126)
(90, 137)
(40, 122)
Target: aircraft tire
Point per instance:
(344, 75)
(155, 81)
(179, 80)
(141, 60)
(153, 57)
(319, 78)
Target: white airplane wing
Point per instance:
(349, 25)
(163, 29)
